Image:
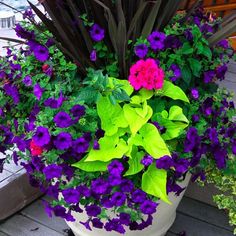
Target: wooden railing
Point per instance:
(220, 7)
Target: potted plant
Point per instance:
(111, 111)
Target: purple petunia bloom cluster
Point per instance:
(208, 142)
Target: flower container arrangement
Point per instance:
(112, 106)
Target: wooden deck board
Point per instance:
(19, 225)
(3, 234)
(36, 212)
(196, 227)
(204, 212)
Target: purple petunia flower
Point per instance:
(209, 76)
(61, 212)
(27, 80)
(176, 72)
(234, 147)
(62, 120)
(115, 168)
(164, 162)
(2, 74)
(71, 196)
(156, 40)
(41, 53)
(213, 135)
(206, 107)
(42, 136)
(99, 186)
(38, 91)
(106, 202)
(93, 210)
(114, 180)
(220, 71)
(55, 103)
(78, 111)
(148, 207)
(181, 165)
(173, 42)
(147, 160)
(20, 142)
(28, 14)
(84, 191)
(63, 141)
(125, 218)
(118, 199)
(50, 42)
(22, 33)
(86, 224)
(52, 171)
(93, 55)
(80, 145)
(220, 155)
(188, 35)
(141, 50)
(115, 225)
(126, 186)
(97, 223)
(15, 158)
(194, 93)
(224, 43)
(195, 118)
(97, 33)
(96, 145)
(200, 174)
(138, 196)
(12, 91)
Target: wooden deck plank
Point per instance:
(19, 225)
(168, 234)
(195, 227)
(36, 212)
(232, 67)
(204, 212)
(2, 234)
(231, 77)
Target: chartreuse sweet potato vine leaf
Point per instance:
(92, 166)
(112, 116)
(150, 139)
(174, 122)
(153, 143)
(135, 165)
(137, 117)
(176, 114)
(172, 91)
(111, 147)
(125, 85)
(154, 183)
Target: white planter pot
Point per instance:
(162, 220)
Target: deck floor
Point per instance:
(194, 218)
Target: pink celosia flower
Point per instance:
(146, 74)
